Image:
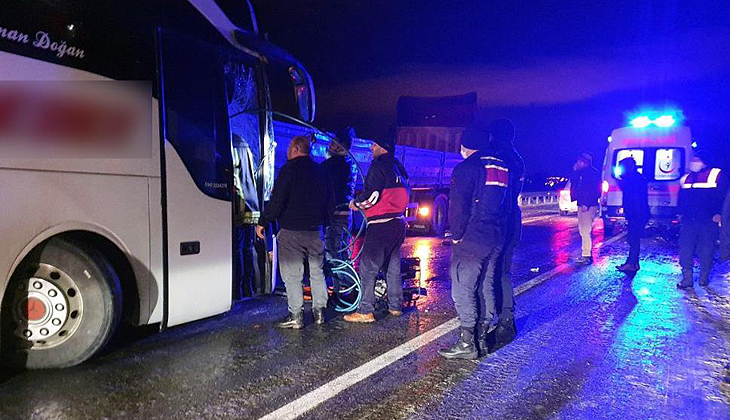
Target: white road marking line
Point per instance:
(316, 397)
(537, 218)
(559, 269)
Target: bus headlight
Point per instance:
(424, 211)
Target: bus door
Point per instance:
(249, 127)
(197, 179)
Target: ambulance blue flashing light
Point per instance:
(641, 122)
(663, 121)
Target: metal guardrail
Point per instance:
(536, 199)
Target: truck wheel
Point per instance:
(62, 305)
(608, 227)
(440, 217)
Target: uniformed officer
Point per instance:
(502, 134)
(701, 198)
(477, 207)
(634, 188)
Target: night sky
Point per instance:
(566, 73)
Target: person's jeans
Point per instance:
(295, 249)
(700, 236)
(381, 251)
(585, 226)
(472, 284)
(633, 236)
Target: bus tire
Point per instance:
(440, 217)
(62, 305)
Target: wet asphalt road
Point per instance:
(592, 344)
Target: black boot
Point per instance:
(318, 314)
(464, 348)
(687, 280)
(293, 321)
(504, 334)
(483, 338)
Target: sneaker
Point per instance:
(359, 318)
(704, 281)
(395, 312)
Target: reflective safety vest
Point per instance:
(703, 179)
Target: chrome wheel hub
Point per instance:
(47, 307)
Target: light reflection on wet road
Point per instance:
(592, 344)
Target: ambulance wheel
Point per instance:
(608, 227)
(62, 305)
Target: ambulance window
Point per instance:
(637, 154)
(668, 166)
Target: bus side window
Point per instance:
(244, 116)
(196, 111)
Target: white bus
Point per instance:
(139, 228)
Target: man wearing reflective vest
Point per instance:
(701, 198)
(384, 199)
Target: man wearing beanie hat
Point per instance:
(384, 199)
(477, 208)
(701, 197)
(501, 140)
(585, 188)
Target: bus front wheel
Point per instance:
(62, 305)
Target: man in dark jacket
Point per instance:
(384, 199)
(701, 197)
(585, 188)
(340, 171)
(502, 134)
(636, 209)
(477, 213)
(300, 203)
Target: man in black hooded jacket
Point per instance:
(501, 135)
(477, 213)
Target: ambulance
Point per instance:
(662, 148)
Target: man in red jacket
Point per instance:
(384, 200)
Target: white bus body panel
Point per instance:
(119, 199)
(199, 285)
(40, 204)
